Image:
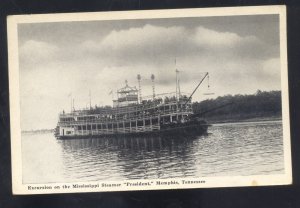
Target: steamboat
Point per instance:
(133, 115)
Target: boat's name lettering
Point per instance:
(138, 183)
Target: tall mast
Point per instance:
(176, 80)
(177, 85)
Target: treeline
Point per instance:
(259, 106)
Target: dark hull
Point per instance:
(169, 131)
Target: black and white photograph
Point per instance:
(145, 100)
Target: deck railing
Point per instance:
(160, 100)
(118, 130)
(126, 119)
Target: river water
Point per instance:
(232, 149)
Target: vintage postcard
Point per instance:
(145, 100)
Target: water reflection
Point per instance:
(130, 158)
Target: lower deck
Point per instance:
(189, 127)
(71, 131)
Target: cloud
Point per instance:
(271, 67)
(143, 38)
(210, 38)
(155, 44)
(230, 44)
(33, 52)
(140, 45)
(150, 45)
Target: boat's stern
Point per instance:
(64, 132)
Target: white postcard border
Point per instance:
(203, 182)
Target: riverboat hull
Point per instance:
(174, 130)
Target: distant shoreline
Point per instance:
(259, 119)
(38, 131)
(258, 107)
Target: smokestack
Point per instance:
(153, 85)
(140, 90)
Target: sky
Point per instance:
(64, 60)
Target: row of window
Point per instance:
(117, 125)
(120, 116)
(139, 123)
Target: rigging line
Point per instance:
(196, 88)
(213, 109)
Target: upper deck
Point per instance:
(163, 104)
(126, 96)
(130, 105)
